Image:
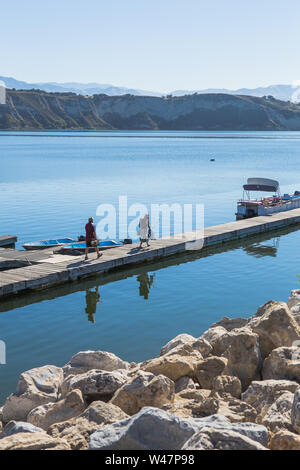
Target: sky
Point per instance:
(160, 45)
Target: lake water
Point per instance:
(50, 182)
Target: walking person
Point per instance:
(144, 230)
(90, 236)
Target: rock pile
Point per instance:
(236, 387)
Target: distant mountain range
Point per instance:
(36, 109)
(280, 92)
(78, 88)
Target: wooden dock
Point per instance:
(50, 269)
(8, 241)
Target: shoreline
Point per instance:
(235, 387)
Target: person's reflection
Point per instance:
(146, 282)
(91, 298)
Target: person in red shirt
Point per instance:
(90, 235)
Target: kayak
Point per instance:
(81, 246)
(43, 244)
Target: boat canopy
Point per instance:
(261, 184)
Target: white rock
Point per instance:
(14, 427)
(45, 415)
(278, 416)
(184, 383)
(262, 394)
(145, 389)
(295, 415)
(231, 323)
(185, 344)
(87, 360)
(294, 298)
(96, 384)
(282, 363)
(241, 349)
(36, 387)
(221, 439)
(33, 441)
(154, 429)
(212, 335)
(276, 327)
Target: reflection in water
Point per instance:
(146, 282)
(92, 297)
(258, 250)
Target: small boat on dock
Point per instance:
(81, 246)
(43, 244)
(249, 207)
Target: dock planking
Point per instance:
(42, 274)
(8, 241)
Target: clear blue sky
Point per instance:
(152, 44)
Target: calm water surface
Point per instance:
(51, 182)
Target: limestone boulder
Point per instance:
(219, 439)
(261, 395)
(45, 415)
(184, 383)
(36, 387)
(213, 335)
(145, 389)
(202, 403)
(235, 410)
(261, 310)
(294, 298)
(231, 323)
(240, 347)
(172, 366)
(282, 363)
(33, 441)
(295, 414)
(193, 404)
(208, 369)
(295, 311)
(278, 416)
(99, 360)
(150, 429)
(96, 384)
(155, 429)
(185, 344)
(285, 440)
(77, 431)
(227, 384)
(276, 327)
(103, 413)
(15, 427)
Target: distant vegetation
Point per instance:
(36, 109)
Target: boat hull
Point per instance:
(45, 244)
(81, 246)
(247, 210)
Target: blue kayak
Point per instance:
(42, 244)
(82, 245)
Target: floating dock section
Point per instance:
(49, 269)
(8, 241)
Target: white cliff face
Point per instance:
(168, 109)
(41, 110)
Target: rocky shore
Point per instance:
(235, 387)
